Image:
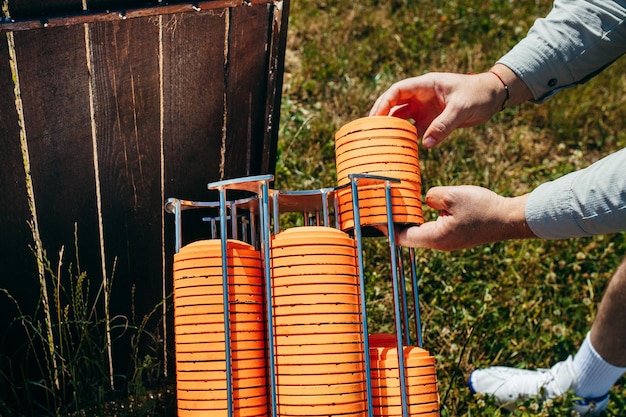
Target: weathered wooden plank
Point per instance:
(247, 54)
(126, 89)
(40, 21)
(193, 76)
(54, 80)
(277, 46)
(18, 268)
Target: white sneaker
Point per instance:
(509, 385)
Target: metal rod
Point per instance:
(253, 241)
(325, 212)
(366, 346)
(276, 211)
(403, 293)
(396, 299)
(173, 205)
(224, 241)
(416, 306)
(233, 220)
(265, 248)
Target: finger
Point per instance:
(423, 236)
(381, 106)
(441, 127)
(439, 198)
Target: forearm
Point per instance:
(588, 202)
(572, 44)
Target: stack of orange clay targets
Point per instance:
(316, 302)
(421, 379)
(383, 146)
(199, 330)
(319, 336)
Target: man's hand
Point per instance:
(469, 216)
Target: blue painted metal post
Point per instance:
(224, 242)
(396, 299)
(366, 346)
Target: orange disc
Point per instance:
(216, 281)
(215, 299)
(347, 222)
(222, 404)
(313, 369)
(201, 376)
(391, 386)
(386, 162)
(334, 308)
(377, 211)
(319, 399)
(234, 290)
(401, 189)
(210, 328)
(218, 318)
(260, 411)
(313, 260)
(219, 337)
(325, 389)
(221, 384)
(317, 319)
(329, 288)
(406, 173)
(322, 409)
(414, 409)
(384, 147)
(312, 299)
(350, 279)
(237, 355)
(313, 250)
(313, 329)
(252, 393)
(317, 231)
(212, 274)
(318, 339)
(322, 349)
(321, 379)
(183, 366)
(302, 270)
(211, 246)
(202, 309)
(375, 122)
(416, 393)
(204, 346)
(337, 358)
(386, 374)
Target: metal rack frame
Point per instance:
(315, 205)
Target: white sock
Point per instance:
(595, 375)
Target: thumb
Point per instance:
(439, 198)
(441, 127)
(417, 236)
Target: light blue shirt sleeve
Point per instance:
(572, 44)
(588, 202)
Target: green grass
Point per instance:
(522, 303)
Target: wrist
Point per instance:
(518, 92)
(505, 87)
(514, 221)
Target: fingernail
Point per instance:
(429, 142)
